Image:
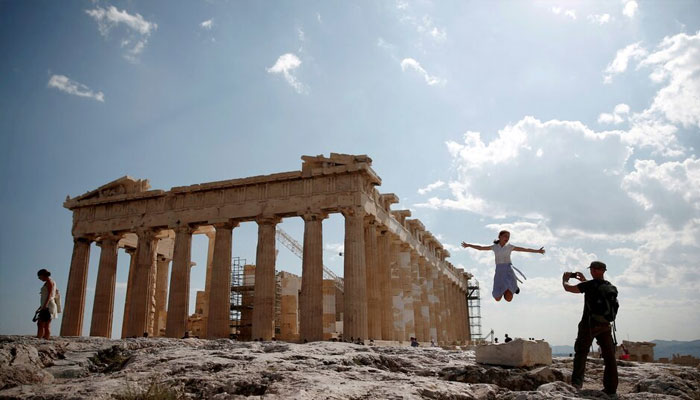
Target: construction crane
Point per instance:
(296, 248)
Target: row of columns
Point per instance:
(391, 293)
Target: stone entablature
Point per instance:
(156, 226)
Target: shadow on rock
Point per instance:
(514, 379)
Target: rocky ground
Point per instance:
(92, 368)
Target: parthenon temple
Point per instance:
(396, 282)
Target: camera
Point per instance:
(572, 274)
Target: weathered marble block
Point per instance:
(518, 353)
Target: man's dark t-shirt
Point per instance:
(589, 289)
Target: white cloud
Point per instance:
(65, 84)
(427, 27)
(662, 256)
(410, 63)
(208, 24)
(617, 117)
(671, 188)
(525, 233)
(567, 13)
(630, 9)
(571, 258)
(334, 247)
(544, 170)
(111, 17)
(676, 62)
(318, 18)
(285, 65)
(431, 187)
(381, 43)
(137, 27)
(600, 19)
(649, 130)
(619, 65)
(438, 34)
(424, 26)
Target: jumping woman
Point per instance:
(505, 283)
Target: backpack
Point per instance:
(603, 304)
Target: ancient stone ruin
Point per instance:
(397, 283)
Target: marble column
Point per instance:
(406, 274)
(464, 327)
(103, 305)
(417, 299)
(211, 236)
(311, 302)
(374, 312)
(441, 311)
(459, 299)
(218, 321)
(328, 308)
(399, 331)
(384, 278)
(424, 303)
(433, 300)
(129, 283)
(265, 281)
(453, 310)
(355, 317)
(445, 306)
(163, 266)
(151, 324)
(72, 323)
(179, 296)
(141, 286)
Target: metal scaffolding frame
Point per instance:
(237, 289)
(474, 305)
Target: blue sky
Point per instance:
(572, 123)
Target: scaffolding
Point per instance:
(238, 287)
(474, 306)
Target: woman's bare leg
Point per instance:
(43, 329)
(47, 330)
(39, 330)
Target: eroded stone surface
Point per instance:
(224, 369)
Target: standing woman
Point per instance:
(48, 309)
(505, 283)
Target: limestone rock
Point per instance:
(518, 353)
(96, 368)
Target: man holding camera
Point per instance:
(591, 326)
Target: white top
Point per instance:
(502, 253)
(53, 309)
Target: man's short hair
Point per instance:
(598, 265)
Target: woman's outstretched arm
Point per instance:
(475, 246)
(526, 250)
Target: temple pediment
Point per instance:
(122, 186)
